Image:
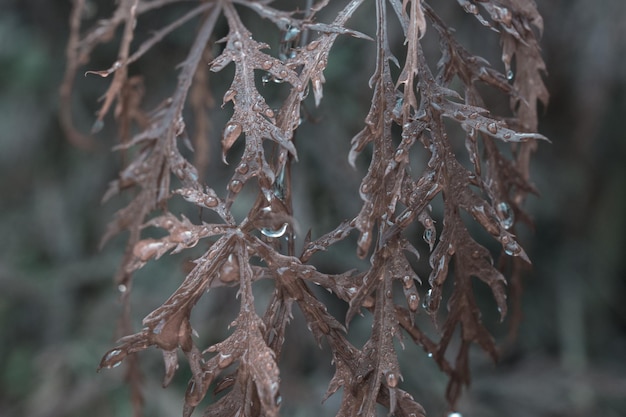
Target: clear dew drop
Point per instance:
(492, 128)
(430, 354)
(510, 75)
(392, 380)
(229, 95)
(210, 201)
(122, 288)
(111, 355)
(267, 64)
(242, 168)
(506, 215)
(428, 236)
(399, 156)
(235, 186)
(455, 414)
(224, 360)
(275, 233)
(408, 281)
(290, 34)
(427, 299)
(512, 249)
(231, 133)
(413, 302)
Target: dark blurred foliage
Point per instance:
(59, 308)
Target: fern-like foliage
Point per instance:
(420, 102)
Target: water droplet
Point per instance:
(145, 249)
(275, 233)
(507, 135)
(389, 294)
(506, 215)
(408, 281)
(278, 401)
(455, 414)
(413, 302)
(429, 236)
(231, 133)
(399, 156)
(392, 380)
(510, 75)
(122, 288)
(210, 201)
(290, 34)
(237, 44)
(269, 113)
(229, 95)
(512, 248)
(111, 358)
(492, 128)
(267, 64)
(430, 354)
(427, 299)
(235, 186)
(224, 360)
(282, 74)
(473, 115)
(242, 168)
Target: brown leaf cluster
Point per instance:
(420, 103)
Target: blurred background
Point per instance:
(59, 308)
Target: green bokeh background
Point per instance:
(59, 306)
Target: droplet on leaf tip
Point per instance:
(110, 359)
